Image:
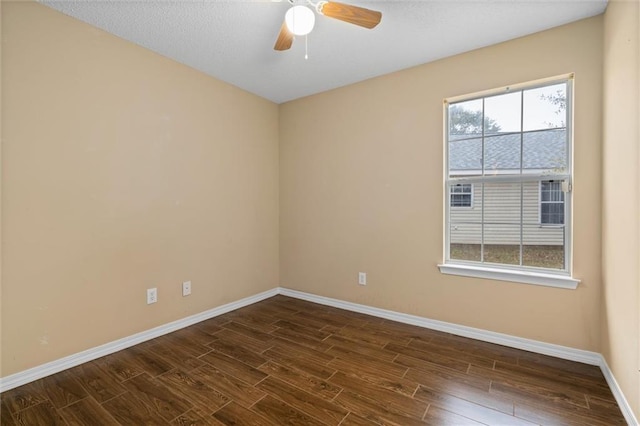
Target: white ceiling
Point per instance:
(233, 40)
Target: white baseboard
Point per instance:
(587, 357)
(44, 370)
(558, 351)
(627, 412)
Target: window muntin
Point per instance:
(513, 145)
(461, 195)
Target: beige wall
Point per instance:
(621, 197)
(361, 190)
(123, 170)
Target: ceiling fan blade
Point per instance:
(352, 14)
(285, 38)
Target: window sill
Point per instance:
(525, 277)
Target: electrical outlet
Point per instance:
(186, 288)
(152, 295)
(362, 278)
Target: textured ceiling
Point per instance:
(233, 40)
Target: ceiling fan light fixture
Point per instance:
(300, 20)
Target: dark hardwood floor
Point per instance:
(284, 361)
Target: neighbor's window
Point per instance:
(509, 150)
(551, 203)
(461, 195)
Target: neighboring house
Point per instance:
(542, 202)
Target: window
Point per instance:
(551, 203)
(461, 195)
(508, 159)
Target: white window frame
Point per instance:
(470, 206)
(540, 203)
(513, 273)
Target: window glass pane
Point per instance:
(552, 213)
(551, 190)
(545, 151)
(465, 119)
(502, 113)
(465, 157)
(465, 241)
(543, 246)
(502, 154)
(502, 244)
(501, 203)
(545, 107)
(465, 232)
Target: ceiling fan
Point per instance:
(299, 19)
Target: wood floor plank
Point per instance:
(233, 350)
(409, 332)
(478, 348)
(160, 398)
(355, 420)
(288, 361)
(176, 355)
(152, 363)
(5, 414)
(301, 329)
(257, 320)
(24, 397)
(430, 356)
(532, 384)
(604, 405)
(120, 365)
(210, 326)
(438, 416)
(42, 414)
(188, 386)
(452, 353)
(371, 336)
(345, 357)
(297, 349)
(468, 409)
(248, 331)
(194, 418)
(97, 382)
(234, 367)
(87, 412)
(519, 391)
(308, 320)
(328, 413)
(63, 389)
(127, 409)
(560, 366)
(549, 415)
(301, 380)
(395, 384)
(282, 413)
(299, 361)
(196, 335)
(407, 405)
(230, 386)
(363, 348)
(186, 345)
(376, 412)
(471, 394)
(235, 414)
(552, 377)
(301, 339)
